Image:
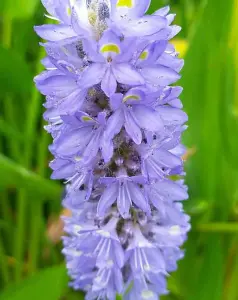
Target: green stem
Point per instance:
(7, 31)
(20, 233)
(8, 102)
(9, 112)
(218, 227)
(37, 224)
(4, 268)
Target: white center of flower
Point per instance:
(104, 233)
(175, 230)
(110, 263)
(147, 294)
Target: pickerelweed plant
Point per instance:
(116, 124)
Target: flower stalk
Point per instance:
(116, 124)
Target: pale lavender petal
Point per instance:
(160, 75)
(114, 124)
(147, 118)
(126, 74)
(59, 85)
(55, 33)
(162, 11)
(109, 83)
(116, 101)
(132, 128)
(124, 199)
(107, 148)
(107, 199)
(92, 75)
(172, 115)
(144, 26)
(137, 196)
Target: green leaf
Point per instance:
(19, 9)
(16, 176)
(48, 284)
(15, 75)
(206, 99)
(231, 291)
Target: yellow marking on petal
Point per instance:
(92, 17)
(69, 11)
(127, 3)
(144, 55)
(110, 48)
(86, 119)
(131, 97)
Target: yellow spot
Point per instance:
(69, 11)
(92, 17)
(181, 46)
(86, 119)
(144, 55)
(131, 97)
(110, 48)
(127, 3)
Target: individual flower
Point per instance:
(110, 65)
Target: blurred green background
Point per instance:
(31, 264)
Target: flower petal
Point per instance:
(144, 26)
(55, 33)
(166, 159)
(74, 142)
(172, 116)
(107, 199)
(160, 75)
(59, 85)
(132, 128)
(147, 118)
(126, 74)
(109, 83)
(92, 75)
(124, 199)
(162, 11)
(170, 61)
(137, 197)
(114, 124)
(116, 101)
(80, 19)
(171, 190)
(132, 8)
(107, 148)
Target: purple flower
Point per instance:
(110, 65)
(116, 125)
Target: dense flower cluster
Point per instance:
(116, 124)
